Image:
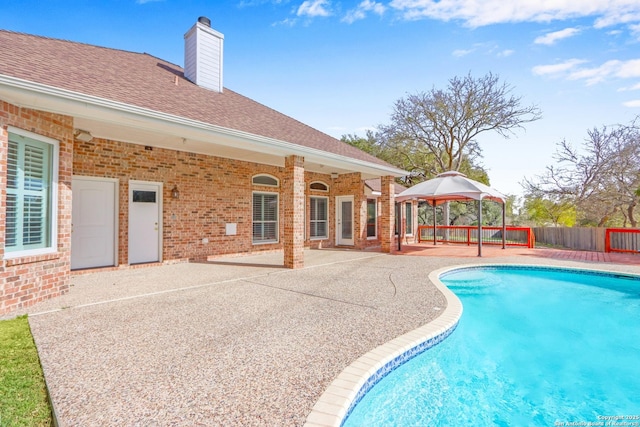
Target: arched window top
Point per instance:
(319, 186)
(264, 179)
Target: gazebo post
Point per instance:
(434, 222)
(480, 226)
(504, 225)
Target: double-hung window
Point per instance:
(265, 217)
(318, 218)
(30, 203)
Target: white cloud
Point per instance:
(591, 75)
(556, 69)
(314, 8)
(551, 38)
(459, 53)
(630, 88)
(633, 104)
(288, 22)
(505, 53)
(596, 74)
(619, 15)
(477, 13)
(614, 68)
(360, 12)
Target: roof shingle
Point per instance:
(145, 81)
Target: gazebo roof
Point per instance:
(449, 186)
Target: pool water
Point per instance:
(534, 347)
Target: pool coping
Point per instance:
(343, 394)
(346, 390)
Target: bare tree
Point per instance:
(601, 179)
(442, 126)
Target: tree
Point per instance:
(601, 180)
(437, 131)
(543, 212)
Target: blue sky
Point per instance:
(340, 65)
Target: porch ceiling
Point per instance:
(220, 145)
(128, 123)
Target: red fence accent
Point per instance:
(467, 234)
(626, 237)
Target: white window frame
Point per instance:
(408, 218)
(53, 196)
(277, 222)
(326, 221)
(375, 219)
(277, 184)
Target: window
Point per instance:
(372, 216)
(267, 180)
(30, 221)
(398, 211)
(319, 186)
(265, 218)
(140, 196)
(409, 218)
(318, 218)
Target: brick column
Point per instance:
(293, 211)
(387, 216)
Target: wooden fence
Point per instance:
(578, 238)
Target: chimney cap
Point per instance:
(205, 21)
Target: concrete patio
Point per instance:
(237, 341)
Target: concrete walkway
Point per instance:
(240, 341)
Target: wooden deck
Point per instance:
(490, 251)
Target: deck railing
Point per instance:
(516, 236)
(626, 240)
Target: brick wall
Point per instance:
(27, 280)
(213, 192)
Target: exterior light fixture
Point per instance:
(175, 194)
(334, 175)
(83, 135)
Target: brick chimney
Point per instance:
(203, 55)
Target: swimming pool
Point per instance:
(535, 346)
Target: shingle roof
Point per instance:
(375, 184)
(145, 81)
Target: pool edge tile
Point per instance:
(384, 358)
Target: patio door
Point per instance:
(93, 222)
(344, 220)
(145, 226)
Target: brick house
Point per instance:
(111, 158)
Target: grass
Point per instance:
(23, 397)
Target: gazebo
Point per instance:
(455, 186)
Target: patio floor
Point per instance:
(237, 341)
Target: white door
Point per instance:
(93, 222)
(344, 218)
(145, 228)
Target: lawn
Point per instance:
(23, 397)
